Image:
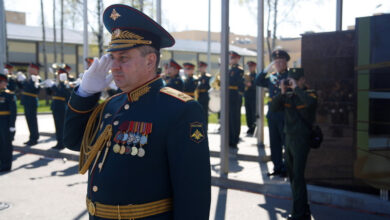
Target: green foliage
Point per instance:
(41, 108)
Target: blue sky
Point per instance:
(179, 15)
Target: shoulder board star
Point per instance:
(176, 94)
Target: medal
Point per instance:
(144, 140)
(116, 148)
(123, 149)
(141, 152)
(125, 137)
(128, 150)
(134, 151)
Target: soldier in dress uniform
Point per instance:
(190, 83)
(174, 80)
(275, 119)
(89, 61)
(298, 103)
(250, 97)
(236, 87)
(7, 124)
(203, 88)
(60, 93)
(29, 99)
(145, 149)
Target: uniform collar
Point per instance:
(144, 89)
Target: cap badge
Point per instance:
(114, 15)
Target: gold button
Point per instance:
(91, 208)
(116, 123)
(127, 106)
(95, 188)
(100, 165)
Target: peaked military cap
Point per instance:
(62, 70)
(280, 54)
(131, 28)
(295, 73)
(34, 65)
(173, 63)
(8, 66)
(201, 63)
(251, 63)
(3, 77)
(234, 54)
(67, 68)
(188, 65)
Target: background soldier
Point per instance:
(11, 78)
(29, 99)
(60, 93)
(174, 80)
(250, 98)
(236, 83)
(89, 61)
(7, 124)
(203, 88)
(299, 105)
(275, 119)
(190, 83)
(146, 149)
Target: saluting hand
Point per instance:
(96, 78)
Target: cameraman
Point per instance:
(299, 105)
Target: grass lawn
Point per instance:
(213, 118)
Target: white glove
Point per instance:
(268, 67)
(20, 77)
(113, 85)
(35, 78)
(96, 78)
(63, 77)
(12, 129)
(47, 83)
(6, 71)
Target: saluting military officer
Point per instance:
(203, 88)
(7, 124)
(275, 119)
(29, 99)
(146, 148)
(236, 85)
(190, 83)
(174, 80)
(250, 97)
(298, 103)
(60, 93)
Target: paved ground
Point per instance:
(41, 187)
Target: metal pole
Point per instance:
(209, 41)
(2, 36)
(260, 67)
(158, 9)
(339, 15)
(224, 89)
(85, 38)
(62, 31)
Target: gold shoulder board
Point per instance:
(176, 94)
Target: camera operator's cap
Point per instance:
(201, 64)
(131, 28)
(173, 63)
(234, 54)
(188, 65)
(295, 73)
(3, 77)
(280, 54)
(251, 63)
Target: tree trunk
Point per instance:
(269, 31)
(5, 39)
(44, 46)
(62, 31)
(54, 32)
(100, 27)
(275, 23)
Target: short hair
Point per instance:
(145, 50)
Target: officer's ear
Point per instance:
(151, 61)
